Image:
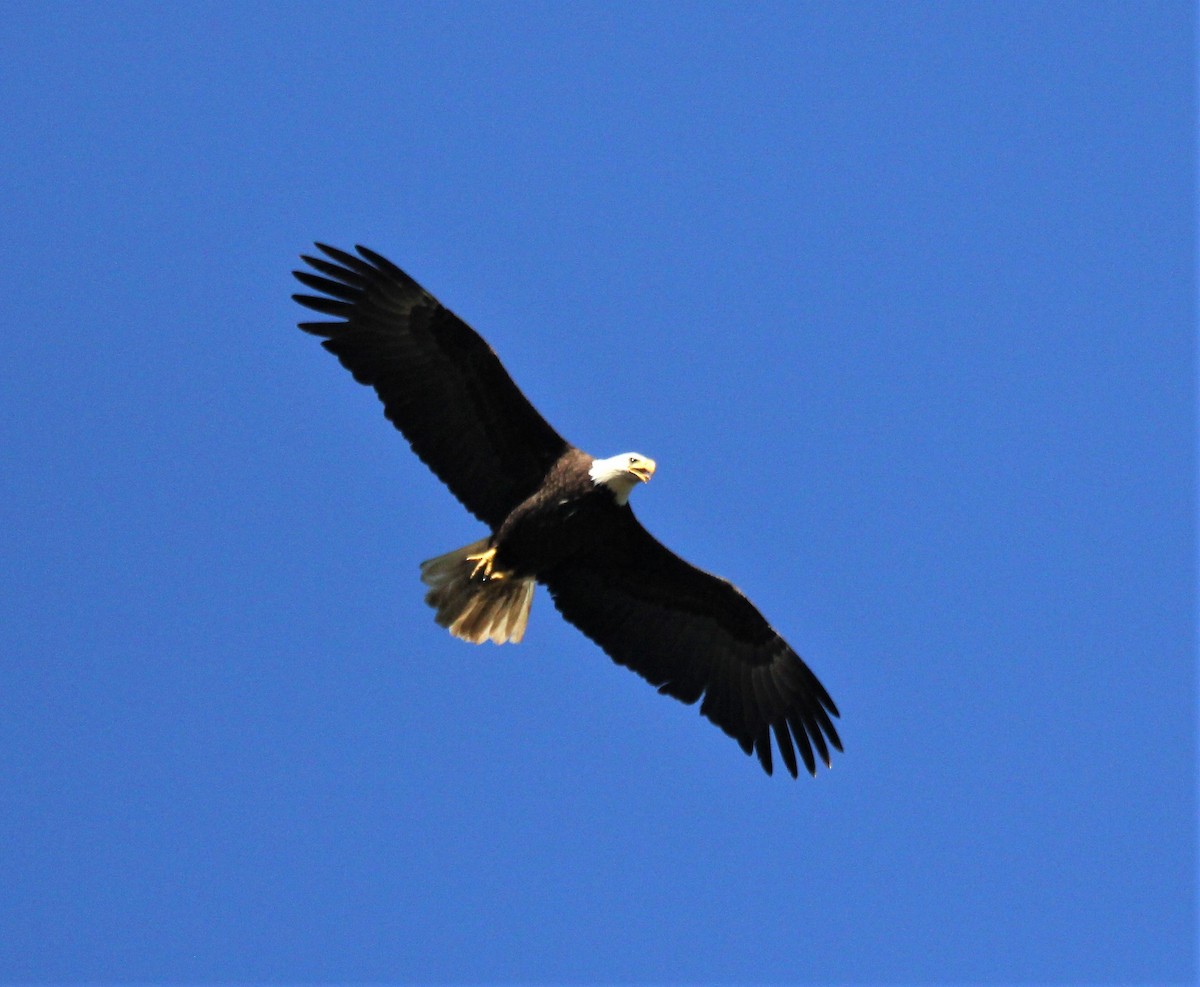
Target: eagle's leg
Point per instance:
(485, 562)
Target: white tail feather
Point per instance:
(476, 609)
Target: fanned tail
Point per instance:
(474, 607)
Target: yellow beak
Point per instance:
(643, 469)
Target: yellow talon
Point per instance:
(485, 561)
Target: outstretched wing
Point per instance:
(439, 381)
(693, 634)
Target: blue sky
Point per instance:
(900, 297)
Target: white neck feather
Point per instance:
(614, 474)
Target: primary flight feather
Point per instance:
(558, 517)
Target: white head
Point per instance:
(622, 473)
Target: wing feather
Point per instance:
(784, 741)
(440, 383)
(694, 635)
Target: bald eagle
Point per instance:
(559, 517)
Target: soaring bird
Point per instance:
(559, 517)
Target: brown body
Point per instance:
(563, 519)
(483, 591)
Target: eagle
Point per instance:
(559, 517)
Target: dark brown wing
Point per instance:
(693, 634)
(439, 381)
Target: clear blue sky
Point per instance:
(900, 297)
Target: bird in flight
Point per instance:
(559, 517)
